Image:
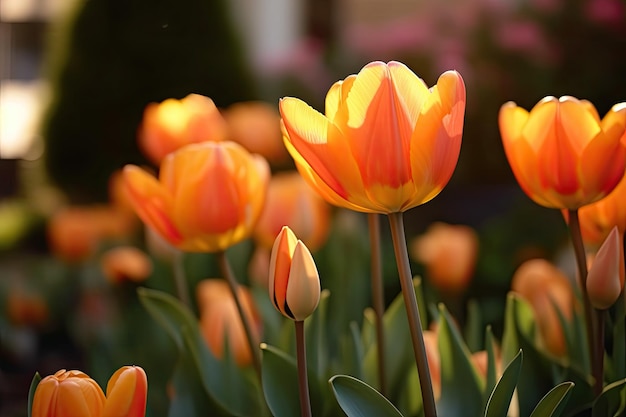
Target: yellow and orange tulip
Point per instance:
(207, 198)
(294, 283)
(292, 202)
(172, 124)
(220, 319)
(561, 153)
(386, 142)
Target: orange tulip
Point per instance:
(597, 219)
(127, 391)
(294, 283)
(68, 394)
(386, 143)
(125, 263)
(219, 319)
(26, 308)
(547, 289)
(207, 198)
(291, 202)
(561, 153)
(605, 281)
(449, 254)
(255, 125)
(172, 124)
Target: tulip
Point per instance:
(386, 142)
(292, 202)
(598, 219)
(561, 153)
(68, 394)
(449, 254)
(219, 319)
(606, 275)
(549, 292)
(125, 263)
(294, 284)
(207, 198)
(126, 395)
(255, 125)
(26, 307)
(172, 124)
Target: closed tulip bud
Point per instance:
(605, 280)
(561, 153)
(207, 198)
(68, 394)
(172, 124)
(386, 142)
(294, 284)
(127, 391)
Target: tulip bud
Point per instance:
(125, 263)
(606, 276)
(294, 284)
(127, 391)
(68, 394)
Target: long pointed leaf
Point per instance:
(610, 403)
(500, 399)
(31, 392)
(357, 399)
(553, 403)
(280, 382)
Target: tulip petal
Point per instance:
(412, 91)
(606, 276)
(126, 394)
(303, 290)
(280, 265)
(152, 202)
(336, 95)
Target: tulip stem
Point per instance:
(233, 285)
(180, 279)
(378, 296)
(410, 301)
(595, 344)
(303, 381)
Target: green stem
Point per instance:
(180, 279)
(410, 301)
(303, 381)
(378, 296)
(595, 344)
(227, 272)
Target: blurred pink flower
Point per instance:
(609, 12)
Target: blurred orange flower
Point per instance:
(255, 125)
(547, 289)
(291, 202)
(449, 253)
(75, 232)
(386, 143)
(219, 319)
(125, 263)
(172, 124)
(597, 219)
(25, 308)
(207, 198)
(562, 154)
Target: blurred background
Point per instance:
(76, 76)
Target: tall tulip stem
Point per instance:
(228, 274)
(303, 381)
(180, 279)
(592, 321)
(410, 301)
(378, 295)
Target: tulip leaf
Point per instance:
(31, 392)
(553, 403)
(492, 372)
(461, 387)
(357, 399)
(612, 401)
(500, 398)
(280, 382)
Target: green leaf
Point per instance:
(500, 399)
(553, 403)
(474, 326)
(611, 402)
(619, 348)
(357, 399)
(31, 392)
(461, 386)
(280, 382)
(492, 372)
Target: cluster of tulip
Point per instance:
(385, 144)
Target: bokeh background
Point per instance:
(76, 75)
